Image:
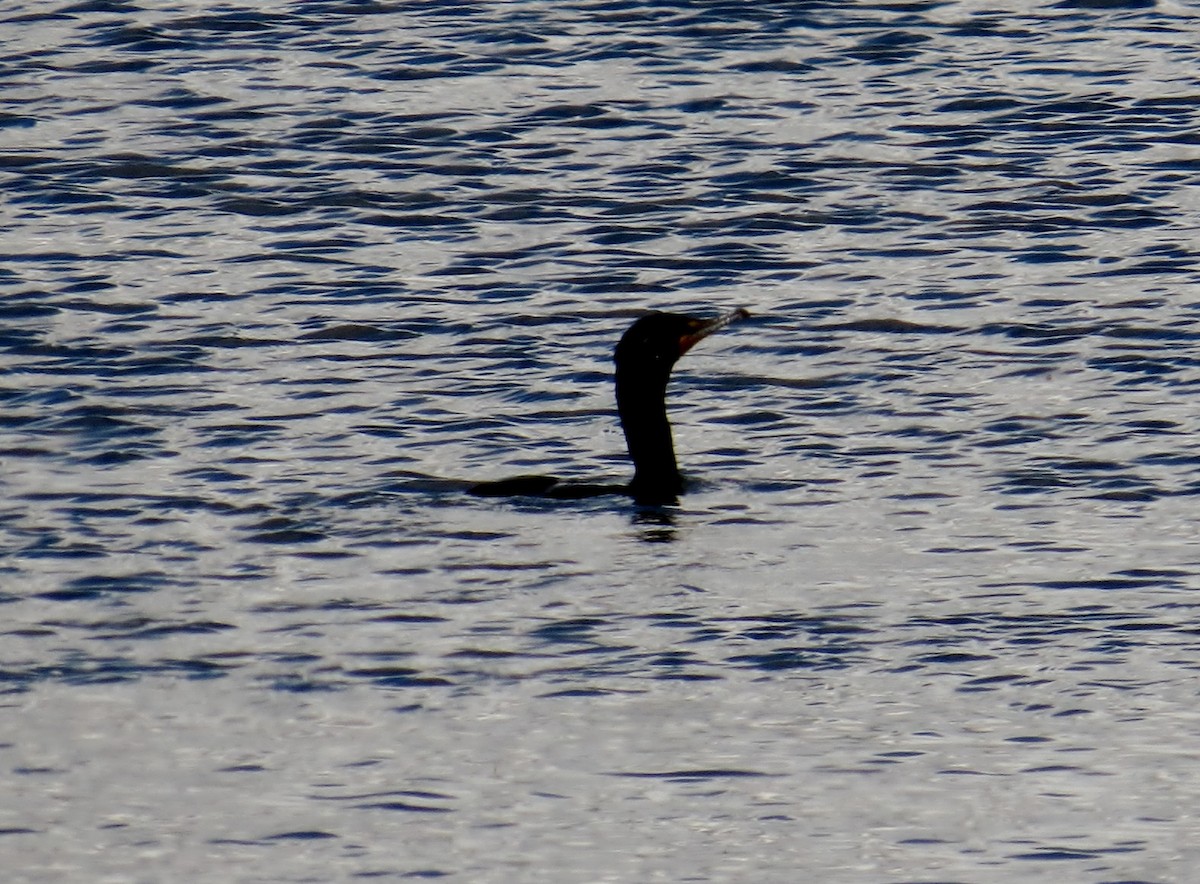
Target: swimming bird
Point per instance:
(643, 361)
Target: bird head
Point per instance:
(654, 343)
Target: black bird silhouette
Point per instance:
(644, 358)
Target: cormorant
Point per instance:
(644, 358)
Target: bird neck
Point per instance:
(641, 404)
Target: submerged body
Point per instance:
(644, 358)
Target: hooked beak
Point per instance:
(703, 328)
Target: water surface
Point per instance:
(278, 278)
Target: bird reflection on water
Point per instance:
(655, 524)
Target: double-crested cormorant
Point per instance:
(644, 358)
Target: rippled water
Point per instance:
(277, 278)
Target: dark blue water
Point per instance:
(277, 278)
